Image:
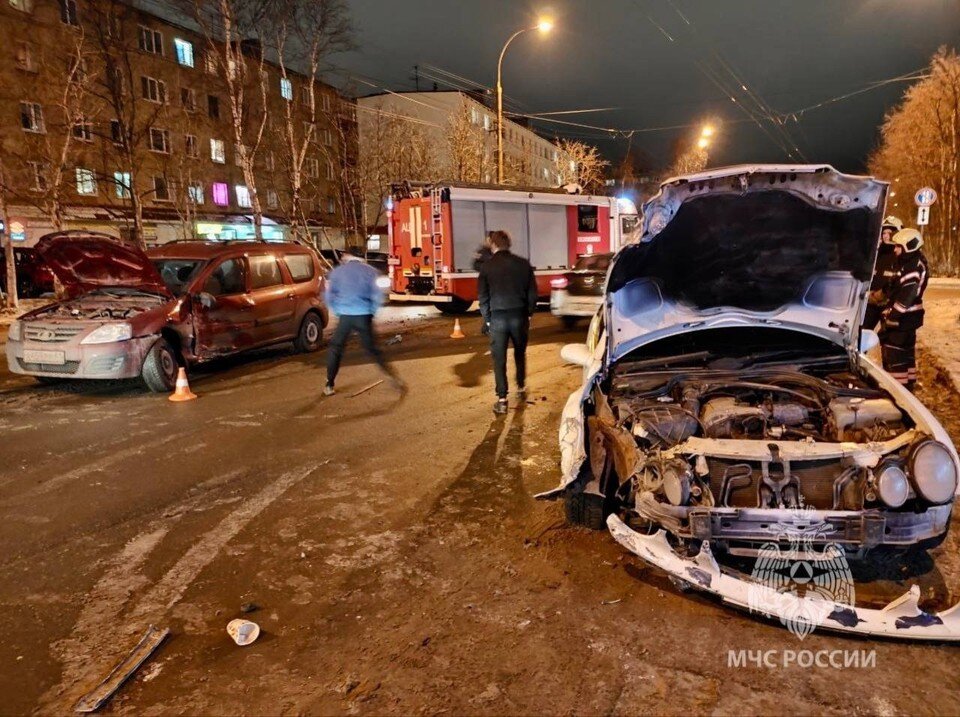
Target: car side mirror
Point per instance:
(577, 354)
(869, 340)
(207, 300)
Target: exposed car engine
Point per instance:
(91, 308)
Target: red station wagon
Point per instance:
(130, 313)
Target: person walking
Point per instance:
(353, 296)
(507, 291)
(904, 316)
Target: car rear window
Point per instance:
(264, 272)
(178, 273)
(300, 266)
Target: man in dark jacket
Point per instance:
(507, 291)
(886, 274)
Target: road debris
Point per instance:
(611, 602)
(149, 642)
(366, 388)
(395, 340)
(249, 607)
(243, 632)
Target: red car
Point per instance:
(34, 277)
(130, 313)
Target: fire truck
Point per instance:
(436, 230)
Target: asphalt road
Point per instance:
(393, 550)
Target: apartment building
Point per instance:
(108, 112)
(460, 137)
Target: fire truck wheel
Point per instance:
(457, 306)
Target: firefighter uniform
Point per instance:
(886, 274)
(904, 316)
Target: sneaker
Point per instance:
(329, 390)
(500, 407)
(521, 392)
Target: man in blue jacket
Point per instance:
(354, 297)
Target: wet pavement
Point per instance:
(391, 546)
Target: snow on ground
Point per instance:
(940, 334)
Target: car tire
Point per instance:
(456, 307)
(48, 380)
(310, 336)
(159, 370)
(585, 509)
(570, 322)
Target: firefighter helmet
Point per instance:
(891, 222)
(910, 239)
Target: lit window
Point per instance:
(121, 183)
(86, 181)
(161, 190)
(31, 117)
(286, 88)
(243, 195)
(68, 12)
(195, 193)
(220, 194)
(150, 41)
(184, 52)
(218, 152)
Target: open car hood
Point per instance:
(763, 245)
(84, 261)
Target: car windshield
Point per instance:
(592, 262)
(178, 273)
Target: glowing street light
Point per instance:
(707, 131)
(703, 143)
(544, 26)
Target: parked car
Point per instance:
(130, 313)
(579, 292)
(34, 277)
(728, 402)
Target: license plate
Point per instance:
(50, 358)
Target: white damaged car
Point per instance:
(728, 404)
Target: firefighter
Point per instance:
(904, 314)
(885, 274)
(507, 290)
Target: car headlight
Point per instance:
(108, 333)
(934, 472)
(16, 331)
(892, 485)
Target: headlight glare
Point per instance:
(934, 472)
(108, 333)
(16, 331)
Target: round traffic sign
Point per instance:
(925, 197)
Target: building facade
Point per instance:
(454, 136)
(118, 120)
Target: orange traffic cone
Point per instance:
(457, 332)
(182, 392)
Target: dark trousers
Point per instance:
(346, 325)
(899, 347)
(512, 327)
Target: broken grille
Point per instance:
(50, 333)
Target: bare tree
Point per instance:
(466, 145)
(920, 146)
(580, 163)
(10, 265)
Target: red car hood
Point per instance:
(84, 262)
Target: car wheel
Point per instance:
(585, 509)
(455, 307)
(310, 335)
(570, 322)
(159, 371)
(48, 380)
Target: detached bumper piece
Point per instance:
(902, 618)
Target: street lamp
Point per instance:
(543, 26)
(703, 143)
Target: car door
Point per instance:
(224, 319)
(274, 301)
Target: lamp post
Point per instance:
(544, 26)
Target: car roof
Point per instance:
(213, 249)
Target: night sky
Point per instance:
(615, 53)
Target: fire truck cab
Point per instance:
(436, 231)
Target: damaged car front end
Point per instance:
(728, 404)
